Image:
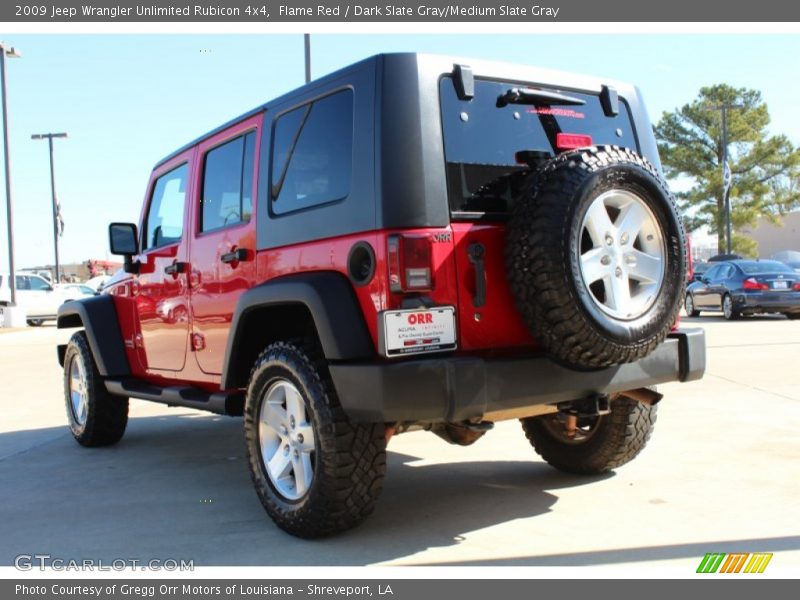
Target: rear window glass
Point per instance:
(482, 139)
(312, 154)
(764, 266)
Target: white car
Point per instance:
(35, 295)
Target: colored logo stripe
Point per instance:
(758, 563)
(710, 562)
(734, 562)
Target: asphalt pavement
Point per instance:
(721, 474)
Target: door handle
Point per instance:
(476, 252)
(235, 256)
(175, 268)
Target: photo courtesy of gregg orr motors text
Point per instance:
(186, 589)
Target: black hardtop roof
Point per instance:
(502, 70)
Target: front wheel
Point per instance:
(599, 444)
(316, 473)
(688, 305)
(35, 322)
(96, 418)
(728, 311)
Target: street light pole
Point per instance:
(12, 282)
(56, 212)
(724, 108)
(307, 42)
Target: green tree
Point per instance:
(766, 169)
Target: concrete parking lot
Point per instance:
(721, 473)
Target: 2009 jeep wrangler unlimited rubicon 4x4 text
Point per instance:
(410, 242)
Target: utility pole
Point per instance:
(307, 41)
(56, 209)
(724, 108)
(12, 281)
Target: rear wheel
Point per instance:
(728, 311)
(96, 418)
(35, 322)
(316, 473)
(793, 316)
(688, 305)
(599, 444)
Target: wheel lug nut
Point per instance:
(605, 260)
(618, 272)
(286, 449)
(296, 453)
(300, 438)
(624, 238)
(609, 239)
(292, 423)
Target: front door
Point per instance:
(702, 294)
(223, 237)
(161, 286)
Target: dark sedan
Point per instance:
(746, 287)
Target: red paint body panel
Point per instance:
(496, 326)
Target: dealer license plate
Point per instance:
(419, 330)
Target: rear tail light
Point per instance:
(752, 284)
(796, 287)
(410, 262)
(570, 141)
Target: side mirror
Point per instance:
(124, 240)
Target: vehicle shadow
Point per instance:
(178, 487)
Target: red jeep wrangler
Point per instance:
(408, 243)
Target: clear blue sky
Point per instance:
(128, 100)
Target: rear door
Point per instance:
(161, 286)
(223, 237)
(485, 142)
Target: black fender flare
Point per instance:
(98, 317)
(330, 300)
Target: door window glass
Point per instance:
(39, 284)
(227, 196)
(165, 216)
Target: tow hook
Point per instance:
(591, 406)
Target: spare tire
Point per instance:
(596, 256)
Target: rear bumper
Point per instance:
(767, 302)
(458, 388)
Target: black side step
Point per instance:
(221, 403)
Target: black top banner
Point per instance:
(444, 11)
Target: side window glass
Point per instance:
(23, 282)
(165, 215)
(38, 284)
(227, 194)
(312, 154)
(712, 273)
